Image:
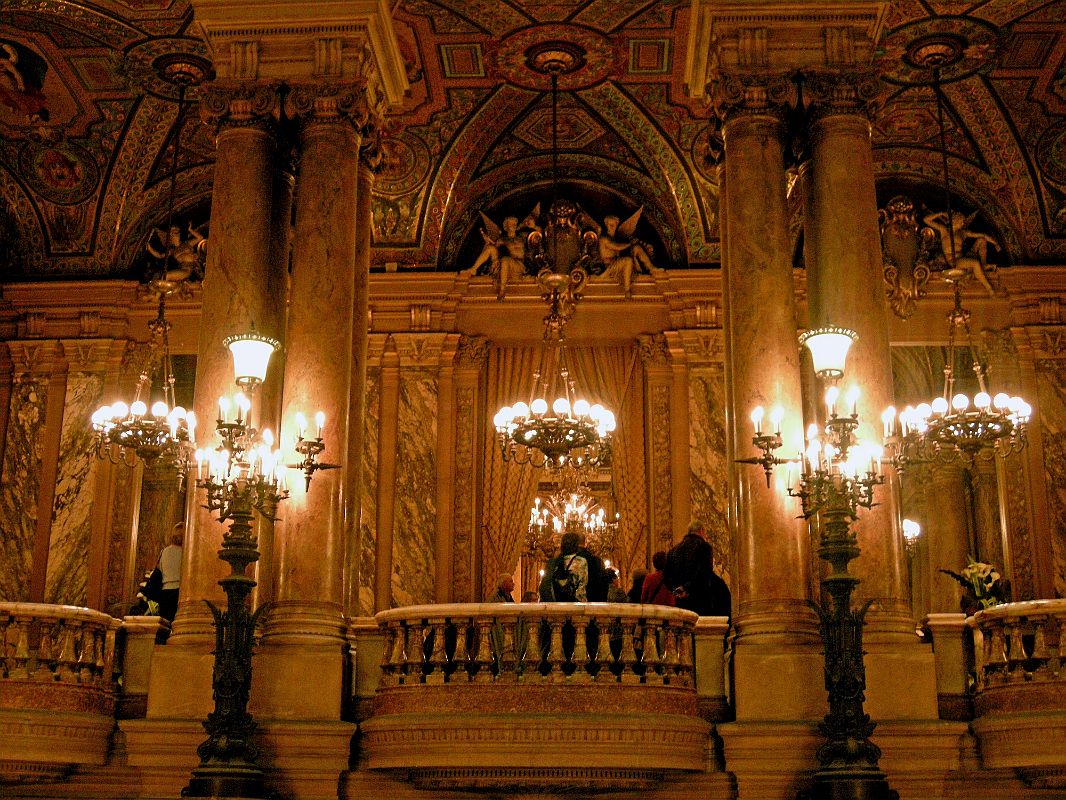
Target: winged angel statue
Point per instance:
(505, 250)
(622, 254)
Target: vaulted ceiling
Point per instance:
(87, 129)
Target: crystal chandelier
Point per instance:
(128, 432)
(955, 427)
(570, 509)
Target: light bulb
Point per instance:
(138, 408)
(924, 410)
(960, 402)
(521, 410)
(268, 437)
(120, 410)
(581, 408)
(776, 415)
(159, 409)
(939, 406)
(911, 530)
(853, 400)
(1025, 410)
(320, 422)
(1015, 404)
(301, 423)
(179, 412)
(99, 416)
(756, 419)
(596, 412)
(888, 421)
(608, 421)
(812, 432)
(561, 406)
(1001, 400)
(982, 400)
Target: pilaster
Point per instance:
(470, 359)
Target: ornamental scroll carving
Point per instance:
(346, 101)
(662, 504)
(761, 92)
(828, 92)
(654, 350)
(472, 352)
(240, 103)
(908, 250)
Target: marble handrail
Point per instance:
(537, 642)
(64, 644)
(1019, 643)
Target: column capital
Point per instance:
(850, 91)
(654, 350)
(341, 102)
(755, 93)
(472, 353)
(233, 103)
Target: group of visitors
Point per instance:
(683, 577)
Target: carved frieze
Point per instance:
(472, 353)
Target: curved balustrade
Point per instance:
(536, 695)
(1020, 689)
(57, 687)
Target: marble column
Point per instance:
(947, 535)
(160, 508)
(845, 287)
(772, 546)
(445, 525)
(369, 163)
(310, 537)
(7, 370)
(388, 414)
(681, 484)
(988, 526)
(241, 287)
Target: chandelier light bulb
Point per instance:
(301, 423)
(924, 410)
(776, 415)
(138, 408)
(159, 409)
(888, 420)
(939, 406)
(812, 432)
(911, 530)
(608, 420)
(831, 395)
(756, 419)
(268, 437)
(223, 408)
(581, 408)
(1015, 404)
(960, 402)
(982, 400)
(100, 416)
(561, 407)
(120, 410)
(852, 398)
(320, 422)
(521, 410)
(1001, 400)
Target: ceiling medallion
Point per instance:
(580, 56)
(958, 46)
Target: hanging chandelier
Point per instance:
(128, 432)
(570, 509)
(955, 427)
(568, 431)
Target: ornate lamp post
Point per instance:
(242, 476)
(837, 478)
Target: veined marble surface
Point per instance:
(707, 461)
(1053, 432)
(416, 489)
(19, 482)
(368, 511)
(68, 546)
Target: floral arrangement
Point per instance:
(983, 586)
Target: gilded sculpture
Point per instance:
(622, 254)
(965, 250)
(182, 256)
(504, 251)
(908, 251)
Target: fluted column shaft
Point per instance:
(241, 287)
(844, 287)
(310, 537)
(772, 546)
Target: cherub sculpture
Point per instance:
(504, 251)
(183, 257)
(622, 254)
(907, 250)
(968, 247)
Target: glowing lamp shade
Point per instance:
(911, 530)
(251, 357)
(829, 349)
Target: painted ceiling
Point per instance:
(87, 131)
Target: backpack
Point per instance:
(564, 582)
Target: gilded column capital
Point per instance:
(472, 353)
(749, 93)
(231, 103)
(330, 102)
(842, 92)
(654, 350)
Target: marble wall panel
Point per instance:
(1052, 383)
(68, 547)
(19, 481)
(416, 488)
(369, 507)
(707, 461)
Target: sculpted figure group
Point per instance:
(571, 236)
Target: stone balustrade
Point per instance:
(541, 696)
(57, 688)
(1020, 689)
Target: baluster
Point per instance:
(461, 659)
(21, 660)
(6, 646)
(581, 649)
(403, 659)
(1059, 649)
(388, 665)
(653, 668)
(66, 660)
(627, 659)
(438, 658)
(556, 658)
(107, 656)
(1040, 650)
(594, 645)
(532, 657)
(85, 647)
(416, 652)
(484, 651)
(684, 656)
(670, 653)
(979, 656)
(997, 661)
(507, 657)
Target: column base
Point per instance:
(774, 683)
(227, 780)
(900, 678)
(282, 673)
(304, 623)
(770, 760)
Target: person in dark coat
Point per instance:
(598, 579)
(655, 591)
(690, 575)
(638, 584)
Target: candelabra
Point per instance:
(837, 478)
(242, 476)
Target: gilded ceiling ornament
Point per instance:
(908, 250)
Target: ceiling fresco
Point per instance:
(87, 129)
